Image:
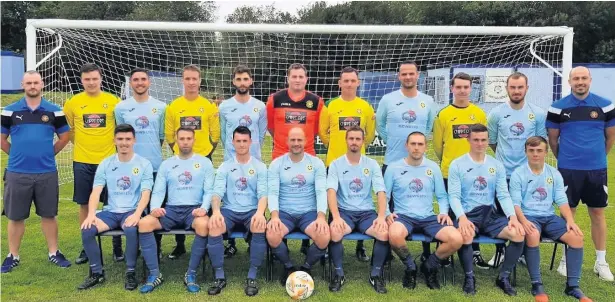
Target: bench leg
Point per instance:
(553, 256)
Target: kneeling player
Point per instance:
(241, 182)
(534, 188)
(297, 199)
(473, 181)
(350, 180)
(413, 181)
(128, 178)
(187, 179)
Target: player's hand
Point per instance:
(275, 225)
(216, 221)
(444, 219)
(380, 224)
(529, 227)
(132, 220)
(321, 226)
(88, 222)
(571, 226)
(158, 212)
(338, 224)
(513, 223)
(258, 222)
(391, 218)
(466, 227)
(198, 212)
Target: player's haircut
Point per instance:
(516, 76)
(192, 67)
(409, 62)
(295, 66)
(138, 69)
(461, 76)
(242, 130)
(349, 70)
(32, 72)
(356, 129)
(184, 128)
(416, 133)
(477, 128)
(124, 128)
(535, 141)
(239, 69)
(90, 67)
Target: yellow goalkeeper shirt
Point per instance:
(200, 115)
(92, 123)
(450, 132)
(338, 116)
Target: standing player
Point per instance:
(297, 200)
(414, 181)
(534, 187)
(90, 115)
(474, 180)
(581, 130)
(241, 183)
(128, 178)
(187, 180)
(451, 130)
(31, 173)
(402, 112)
(341, 114)
(193, 111)
(242, 110)
(349, 184)
(510, 124)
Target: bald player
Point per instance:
(581, 129)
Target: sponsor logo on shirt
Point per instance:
(185, 178)
(123, 183)
(540, 194)
(142, 122)
(298, 181)
(95, 120)
(356, 185)
(193, 122)
(245, 121)
(517, 128)
(461, 131)
(480, 183)
(241, 183)
(416, 185)
(408, 116)
(345, 123)
(295, 117)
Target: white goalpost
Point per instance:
(58, 48)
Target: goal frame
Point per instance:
(566, 32)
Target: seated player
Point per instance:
(128, 178)
(297, 199)
(473, 181)
(241, 184)
(411, 183)
(187, 179)
(349, 184)
(534, 188)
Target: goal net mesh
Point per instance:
(489, 59)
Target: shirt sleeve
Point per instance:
(381, 119)
(119, 119)
(270, 115)
(370, 126)
(261, 181)
(515, 188)
(162, 122)
(454, 190)
(492, 126)
(208, 185)
(222, 123)
(160, 187)
(332, 179)
(262, 123)
(6, 121)
(70, 118)
(433, 111)
(147, 179)
(100, 178)
(214, 124)
(323, 129)
(220, 181)
(320, 182)
(169, 125)
(440, 192)
(502, 191)
(559, 197)
(553, 117)
(377, 179)
(273, 183)
(59, 122)
(609, 111)
(541, 129)
(438, 137)
(388, 185)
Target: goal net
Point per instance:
(58, 48)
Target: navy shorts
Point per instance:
(232, 219)
(301, 221)
(178, 217)
(83, 175)
(429, 226)
(113, 220)
(590, 186)
(359, 220)
(552, 227)
(487, 221)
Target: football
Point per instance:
(299, 285)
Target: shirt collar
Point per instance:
(24, 105)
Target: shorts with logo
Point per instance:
(429, 226)
(486, 220)
(233, 219)
(21, 189)
(83, 175)
(178, 217)
(298, 221)
(552, 226)
(113, 220)
(590, 186)
(359, 220)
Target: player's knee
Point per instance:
(146, 225)
(89, 232)
(273, 238)
(258, 229)
(216, 230)
(397, 233)
(455, 239)
(467, 239)
(336, 235)
(575, 241)
(382, 235)
(532, 240)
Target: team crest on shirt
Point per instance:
(123, 183)
(531, 116)
(251, 172)
(366, 172)
(416, 185)
(155, 110)
(255, 109)
(492, 170)
(472, 117)
(44, 118)
(135, 171)
(310, 168)
(359, 111)
(105, 105)
(550, 180)
(241, 183)
(309, 104)
(423, 105)
(356, 185)
(184, 178)
(593, 114)
(539, 194)
(197, 165)
(201, 110)
(428, 172)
